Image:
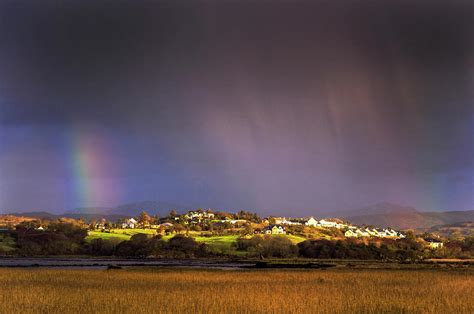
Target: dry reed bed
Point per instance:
(259, 291)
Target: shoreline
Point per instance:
(111, 263)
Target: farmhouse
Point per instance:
(129, 223)
(434, 244)
(390, 233)
(350, 234)
(311, 222)
(165, 225)
(233, 221)
(274, 229)
(362, 233)
(199, 215)
(331, 224)
(374, 232)
(279, 220)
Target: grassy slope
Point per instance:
(121, 234)
(7, 244)
(218, 244)
(264, 291)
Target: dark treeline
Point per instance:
(70, 239)
(348, 249)
(387, 250)
(59, 239)
(141, 245)
(408, 249)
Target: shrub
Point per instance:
(268, 246)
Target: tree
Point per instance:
(173, 213)
(156, 219)
(144, 219)
(178, 228)
(268, 246)
(93, 224)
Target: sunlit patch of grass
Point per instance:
(7, 244)
(131, 232)
(107, 236)
(217, 244)
(262, 291)
(120, 234)
(220, 244)
(295, 239)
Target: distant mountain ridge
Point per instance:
(403, 217)
(378, 215)
(152, 207)
(462, 229)
(131, 209)
(110, 213)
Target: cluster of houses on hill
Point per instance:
(130, 223)
(354, 232)
(351, 232)
(323, 223)
(207, 215)
(199, 215)
(274, 229)
(278, 225)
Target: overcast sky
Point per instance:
(281, 106)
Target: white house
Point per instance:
(234, 221)
(327, 224)
(129, 223)
(362, 233)
(311, 222)
(350, 234)
(433, 244)
(390, 233)
(199, 215)
(279, 220)
(331, 224)
(165, 225)
(274, 229)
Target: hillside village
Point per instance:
(225, 233)
(271, 225)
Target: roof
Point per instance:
(433, 241)
(272, 226)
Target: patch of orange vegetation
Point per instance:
(12, 220)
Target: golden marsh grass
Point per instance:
(215, 291)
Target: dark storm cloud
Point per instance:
(76, 60)
(257, 103)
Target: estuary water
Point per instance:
(112, 262)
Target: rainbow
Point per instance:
(93, 168)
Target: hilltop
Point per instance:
(381, 214)
(131, 209)
(403, 217)
(463, 229)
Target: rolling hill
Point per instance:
(152, 207)
(402, 217)
(463, 229)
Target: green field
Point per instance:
(217, 244)
(220, 244)
(7, 244)
(107, 236)
(295, 239)
(120, 234)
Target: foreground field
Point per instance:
(205, 291)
